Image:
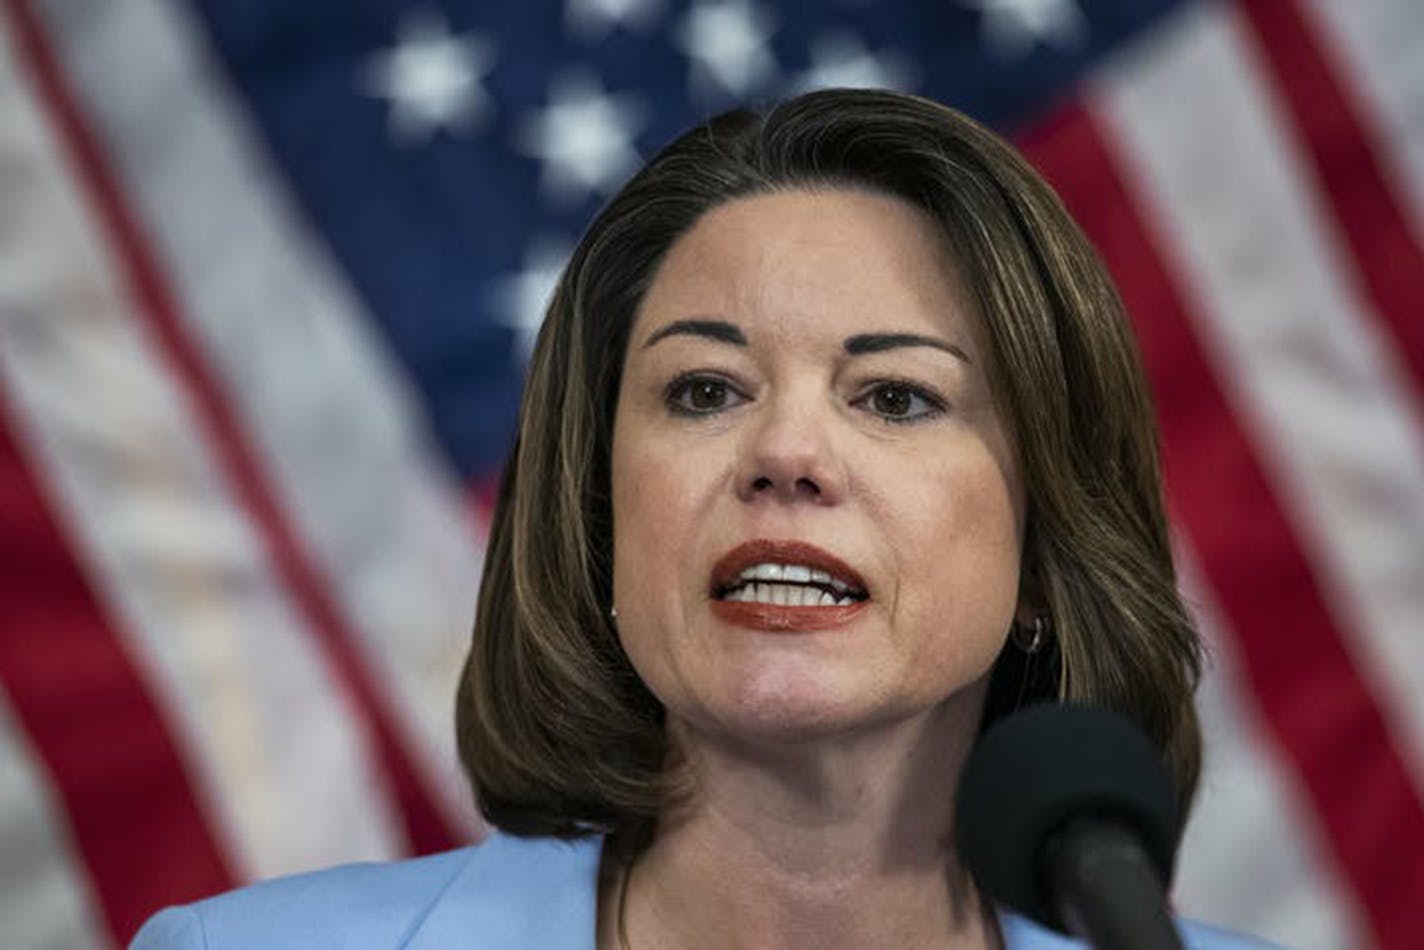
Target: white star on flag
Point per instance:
(431, 79)
(523, 298)
(593, 19)
(727, 43)
(584, 137)
(1013, 27)
(840, 60)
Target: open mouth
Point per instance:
(786, 574)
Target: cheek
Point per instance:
(655, 524)
(961, 566)
(661, 504)
(636, 486)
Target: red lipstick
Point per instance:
(776, 617)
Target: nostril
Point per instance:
(802, 486)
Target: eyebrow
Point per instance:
(863, 343)
(719, 330)
(858, 345)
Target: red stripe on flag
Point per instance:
(425, 827)
(132, 810)
(1316, 706)
(1386, 259)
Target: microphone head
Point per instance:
(1039, 769)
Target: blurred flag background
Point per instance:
(269, 273)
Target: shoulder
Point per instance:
(380, 899)
(500, 889)
(1020, 933)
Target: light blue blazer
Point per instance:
(503, 894)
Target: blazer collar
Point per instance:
(514, 893)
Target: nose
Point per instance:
(788, 455)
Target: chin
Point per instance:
(775, 708)
(783, 706)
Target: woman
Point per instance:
(835, 448)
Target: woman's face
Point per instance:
(817, 516)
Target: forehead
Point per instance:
(832, 252)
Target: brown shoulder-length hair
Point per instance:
(557, 733)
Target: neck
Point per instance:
(844, 841)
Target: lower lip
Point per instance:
(779, 619)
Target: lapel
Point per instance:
(516, 893)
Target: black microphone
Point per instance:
(1066, 814)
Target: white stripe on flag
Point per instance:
(258, 715)
(1251, 858)
(1307, 368)
(332, 418)
(45, 901)
(1378, 44)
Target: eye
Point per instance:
(901, 402)
(698, 394)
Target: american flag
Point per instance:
(269, 273)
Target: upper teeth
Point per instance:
(788, 595)
(793, 573)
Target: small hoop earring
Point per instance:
(1031, 639)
